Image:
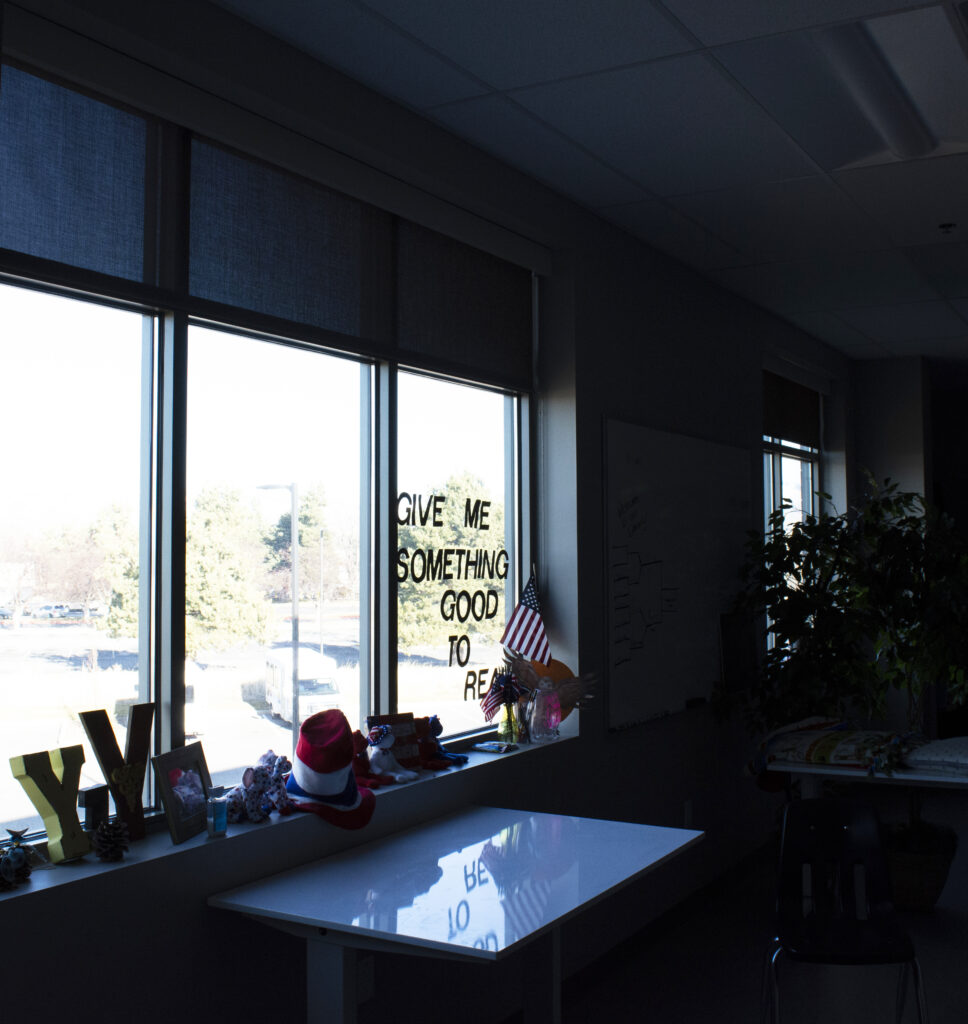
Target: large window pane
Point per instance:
(70, 456)
(455, 544)
(269, 426)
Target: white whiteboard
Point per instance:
(677, 515)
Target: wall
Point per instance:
(949, 432)
(892, 423)
(624, 333)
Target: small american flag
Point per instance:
(525, 633)
(504, 690)
(493, 699)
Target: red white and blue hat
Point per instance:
(322, 779)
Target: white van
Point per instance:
(318, 689)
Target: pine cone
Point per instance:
(110, 840)
(14, 868)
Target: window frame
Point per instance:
(163, 297)
(775, 450)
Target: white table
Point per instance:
(476, 885)
(811, 776)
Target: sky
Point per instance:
(70, 396)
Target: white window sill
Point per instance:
(258, 850)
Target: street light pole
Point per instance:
(294, 564)
(294, 593)
(321, 567)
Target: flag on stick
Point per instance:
(524, 634)
(505, 689)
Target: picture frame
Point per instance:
(406, 749)
(184, 784)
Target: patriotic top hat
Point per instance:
(322, 779)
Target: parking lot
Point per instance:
(53, 668)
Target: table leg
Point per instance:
(331, 983)
(542, 979)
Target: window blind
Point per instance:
(273, 243)
(463, 305)
(73, 174)
(791, 411)
(72, 177)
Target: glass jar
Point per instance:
(545, 713)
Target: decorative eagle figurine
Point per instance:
(572, 690)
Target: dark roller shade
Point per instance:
(463, 305)
(72, 177)
(265, 240)
(791, 411)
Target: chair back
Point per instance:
(832, 865)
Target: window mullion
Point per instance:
(170, 631)
(146, 513)
(385, 531)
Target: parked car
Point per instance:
(73, 613)
(318, 689)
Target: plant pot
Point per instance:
(919, 856)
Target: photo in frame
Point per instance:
(405, 745)
(184, 784)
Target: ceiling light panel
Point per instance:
(924, 53)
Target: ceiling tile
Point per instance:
(508, 44)
(837, 281)
(351, 39)
(715, 21)
(665, 229)
(916, 321)
(502, 128)
(944, 266)
(677, 126)
(794, 82)
(939, 348)
(827, 326)
(784, 220)
(911, 199)
(961, 305)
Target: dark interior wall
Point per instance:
(661, 347)
(891, 420)
(949, 433)
(625, 333)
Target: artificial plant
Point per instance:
(856, 603)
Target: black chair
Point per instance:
(834, 900)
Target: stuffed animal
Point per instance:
(365, 776)
(276, 796)
(382, 761)
(431, 743)
(246, 802)
(432, 754)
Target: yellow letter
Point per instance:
(51, 779)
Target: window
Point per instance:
(198, 446)
(72, 632)
(791, 449)
(790, 475)
(455, 544)
(271, 428)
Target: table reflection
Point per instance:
(485, 894)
